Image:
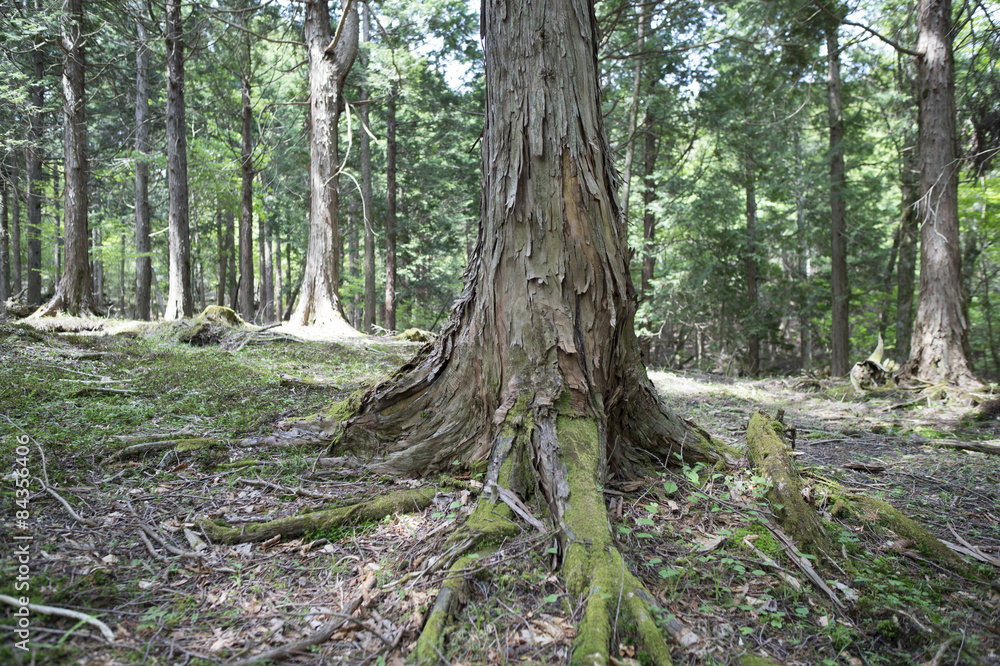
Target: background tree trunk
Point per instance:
(840, 361)
(633, 114)
(179, 295)
(33, 162)
(939, 342)
(648, 221)
(390, 212)
(143, 262)
(246, 196)
(75, 292)
(368, 319)
(329, 63)
(753, 291)
(16, 284)
(907, 264)
(4, 243)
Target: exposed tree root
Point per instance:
(178, 445)
(867, 508)
(400, 501)
(769, 454)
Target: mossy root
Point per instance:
(487, 526)
(400, 501)
(769, 454)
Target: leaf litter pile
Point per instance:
(123, 482)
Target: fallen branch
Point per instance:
(180, 445)
(73, 514)
(963, 446)
(62, 612)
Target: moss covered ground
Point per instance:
(685, 532)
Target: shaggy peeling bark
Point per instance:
(75, 292)
(538, 366)
(940, 332)
(330, 60)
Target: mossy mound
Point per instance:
(210, 326)
(416, 335)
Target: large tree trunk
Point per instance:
(179, 295)
(33, 161)
(75, 292)
(839, 330)
(538, 366)
(390, 213)
(330, 59)
(246, 197)
(939, 342)
(143, 262)
(368, 319)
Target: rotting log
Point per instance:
(400, 501)
(770, 455)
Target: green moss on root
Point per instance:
(401, 501)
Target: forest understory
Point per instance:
(140, 446)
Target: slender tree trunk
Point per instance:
(354, 267)
(633, 114)
(648, 221)
(368, 320)
(199, 266)
(180, 301)
(33, 162)
(753, 339)
(940, 331)
(143, 262)
(4, 244)
(75, 292)
(839, 330)
(907, 269)
(16, 282)
(121, 276)
(246, 198)
(802, 268)
(390, 213)
(223, 237)
(278, 284)
(57, 223)
(330, 59)
(97, 265)
(234, 284)
(988, 311)
(266, 274)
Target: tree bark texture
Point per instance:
(143, 262)
(368, 317)
(633, 114)
(330, 59)
(16, 284)
(180, 301)
(390, 213)
(75, 292)
(537, 368)
(246, 197)
(940, 330)
(4, 244)
(544, 324)
(840, 328)
(753, 290)
(33, 162)
(906, 268)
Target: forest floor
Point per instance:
(218, 418)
